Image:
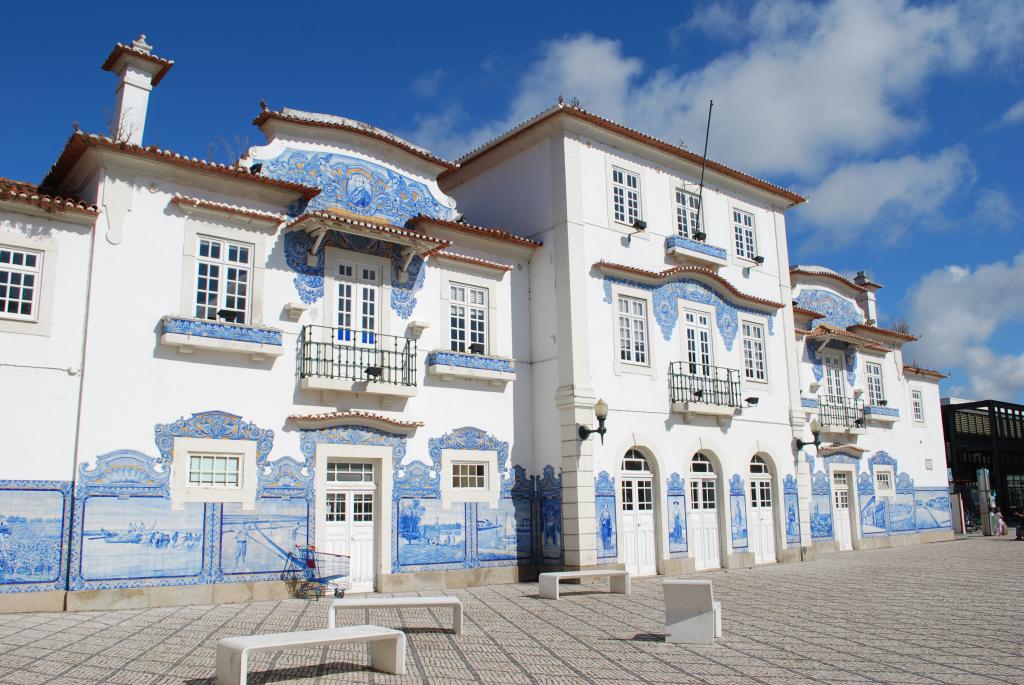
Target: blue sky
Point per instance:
(903, 122)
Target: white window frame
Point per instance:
(227, 459)
(744, 238)
(890, 490)
(224, 264)
(182, 491)
(697, 313)
(41, 321)
(876, 395)
(613, 185)
(620, 367)
(489, 494)
(497, 325)
(467, 470)
(687, 217)
(917, 405)
(468, 307)
(638, 330)
(763, 340)
(223, 230)
(358, 263)
(21, 272)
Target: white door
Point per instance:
(638, 526)
(841, 510)
(762, 521)
(703, 522)
(349, 521)
(353, 320)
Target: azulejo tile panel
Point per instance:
(738, 516)
(470, 361)
(791, 501)
(549, 497)
(882, 411)
(221, 331)
(695, 246)
(604, 503)
(666, 308)
(351, 185)
(838, 310)
(34, 519)
(676, 496)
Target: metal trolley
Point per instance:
(321, 570)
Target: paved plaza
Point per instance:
(940, 613)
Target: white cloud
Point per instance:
(994, 209)
(1014, 115)
(426, 85)
(883, 196)
(808, 85)
(959, 312)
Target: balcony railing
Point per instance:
(704, 384)
(839, 411)
(345, 354)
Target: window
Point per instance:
(335, 507)
(20, 273)
(917, 400)
(753, 352)
(206, 470)
(876, 395)
(625, 196)
(223, 270)
(697, 338)
(343, 472)
(883, 483)
(633, 330)
(687, 213)
(841, 479)
(701, 464)
(703, 493)
(469, 476)
(758, 466)
(743, 228)
(635, 461)
(468, 313)
(362, 507)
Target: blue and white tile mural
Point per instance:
(606, 511)
(549, 497)
(34, 516)
(264, 541)
(676, 493)
(738, 515)
(821, 506)
(505, 532)
(932, 506)
(430, 535)
(791, 501)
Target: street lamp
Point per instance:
(601, 412)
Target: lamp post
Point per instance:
(601, 412)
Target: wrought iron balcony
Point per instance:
(342, 359)
(838, 412)
(704, 389)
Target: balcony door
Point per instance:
(835, 378)
(697, 338)
(356, 302)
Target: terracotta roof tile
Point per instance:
(29, 194)
(256, 214)
(368, 225)
(668, 274)
(827, 273)
(455, 257)
(888, 332)
(807, 312)
(918, 371)
(80, 142)
(121, 49)
(493, 233)
(353, 417)
(633, 134)
(825, 330)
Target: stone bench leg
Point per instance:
(231, 666)
(549, 587)
(457, 619)
(619, 584)
(718, 618)
(388, 655)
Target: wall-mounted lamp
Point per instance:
(601, 412)
(759, 259)
(800, 444)
(700, 235)
(476, 348)
(883, 403)
(859, 423)
(639, 226)
(751, 401)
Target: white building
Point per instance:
(212, 367)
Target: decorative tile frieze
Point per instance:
(220, 330)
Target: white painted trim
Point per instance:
(42, 321)
(497, 330)
(620, 367)
(489, 495)
(182, 492)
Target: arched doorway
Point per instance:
(703, 515)
(762, 518)
(637, 502)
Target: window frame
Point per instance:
(691, 213)
(890, 489)
(497, 338)
(917, 405)
(751, 239)
(41, 323)
(224, 264)
(613, 184)
(489, 494)
(874, 399)
(460, 472)
(744, 323)
(633, 318)
(215, 457)
(181, 490)
(467, 320)
(34, 272)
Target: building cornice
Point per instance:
(335, 419)
(471, 261)
(927, 373)
(31, 201)
(469, 229)
(674, 273)
(208, 207)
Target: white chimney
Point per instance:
(139, 70)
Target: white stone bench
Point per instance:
(692, 615)
(617, 580)
(387, 648)
(398, 603)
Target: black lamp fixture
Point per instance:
(700, 235)
(601, 412)
(883, 403)
(374, 372)
(800, 444)
(476, 348)
(751, 401)
(759, 259)
(639, 226)
(859, 423)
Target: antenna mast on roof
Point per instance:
(703, 163)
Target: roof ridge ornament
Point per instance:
(141, 45)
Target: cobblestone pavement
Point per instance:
(940, 613)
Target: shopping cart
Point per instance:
(320, 570)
